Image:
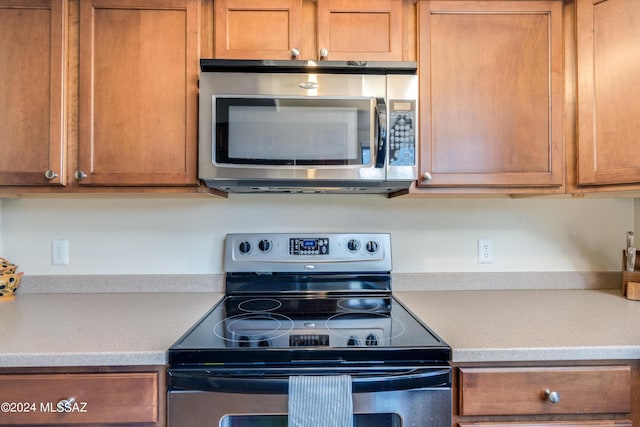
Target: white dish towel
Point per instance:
(320, 401)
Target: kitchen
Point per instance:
(431, 236)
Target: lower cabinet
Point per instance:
(562, 396)
(85, 398)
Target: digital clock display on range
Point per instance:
(309, 246)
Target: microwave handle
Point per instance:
(381, 132)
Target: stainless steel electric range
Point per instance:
(308, 304)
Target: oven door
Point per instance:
(225, 397)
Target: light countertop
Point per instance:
(106, 329)
(531, 325)
(92, 329)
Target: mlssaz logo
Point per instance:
(65, 406)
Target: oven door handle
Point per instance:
(276, 380)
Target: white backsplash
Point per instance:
(185, 236)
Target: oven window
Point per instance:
(359, 420)
(293, 131)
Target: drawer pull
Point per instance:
(66, 403)
(552, 396)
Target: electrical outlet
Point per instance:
(59, 252)
(485, 251)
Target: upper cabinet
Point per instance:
(360, 30)
(608, 62)
(32, 36)
(102, 95)
(138, 92)
(99, 96)
(491, 95)
(255, 29)
(357, 30)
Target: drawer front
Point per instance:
(599, 423)
(108, 398)
(524, 391)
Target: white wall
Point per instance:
(185, 236)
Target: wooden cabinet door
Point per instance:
(273, 29)
(138, 92)
(360, 30)
(491, 92)
(608, 56)
(32, 92)
(257, 29)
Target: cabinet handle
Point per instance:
(426, 176)
(295, 53)
(49, 174)
(80, 175)
(324, 53)
(552, 396)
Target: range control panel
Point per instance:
(243, 333)
(263, 252)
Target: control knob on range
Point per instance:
(264, 245)
(372, 247)
(353, 245)
(372, 340)
(245, 247)
(264, 342)
(353, 341)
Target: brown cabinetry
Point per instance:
(545, 396)
(99, 96)
(32, 34)
(302, 29)
(80, 398)
(491, 95)
(360, 30)
(608, 63)
(586, 423)
(138, 92)
(253, 29)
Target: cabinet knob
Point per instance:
(426, 176)
(295, 53)
(324, 53)
(80, 175)
(65, 403)
(49, 174)
(552, 396)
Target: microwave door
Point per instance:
(299, 133)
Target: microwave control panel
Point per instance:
(402, 132)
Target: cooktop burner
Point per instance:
(311, 306)
(253, 305)
(308, 299)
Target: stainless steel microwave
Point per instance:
(298, 126)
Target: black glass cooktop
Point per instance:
(308, 329)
